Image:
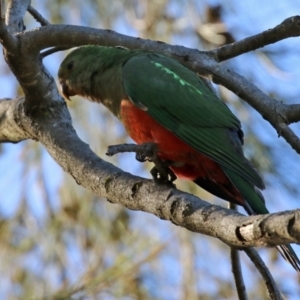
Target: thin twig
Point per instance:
(122, 148)
(236, 268)
(37, 16)
(288, 28)
(53, 50)
(265, 273)
(146, 152)
(237, 274)
(289, 135)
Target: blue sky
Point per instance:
(19, 177)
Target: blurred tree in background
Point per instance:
(59, 241)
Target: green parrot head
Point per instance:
(78, 71)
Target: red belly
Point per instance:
(188, 163)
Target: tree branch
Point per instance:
(291, 113)
(237, 273)
(270, 109)
(288, 134)
(236, 267)
(15, 12)
(52, 127)
(37, 16)
(288, 28)
(6, 38)
(10, 131)
(265, 273)
(52, 50)
(73, 36)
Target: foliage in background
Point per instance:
(59, 241)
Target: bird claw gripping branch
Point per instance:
(161, 172)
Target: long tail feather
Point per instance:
(289, 255)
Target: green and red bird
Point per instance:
(160, 101)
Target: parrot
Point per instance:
(161, 102)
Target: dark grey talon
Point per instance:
(148, 152)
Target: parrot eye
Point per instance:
(70, 65)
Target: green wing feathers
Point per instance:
(181, 102)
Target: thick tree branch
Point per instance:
(73, 36)
(15, 13)
(10, 130)
(288, 28)
(52, 127)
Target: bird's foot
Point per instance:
(161, 173)
(146, 152)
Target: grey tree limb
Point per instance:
(52, 126)
(10, 129)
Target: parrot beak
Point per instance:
(66, 91)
